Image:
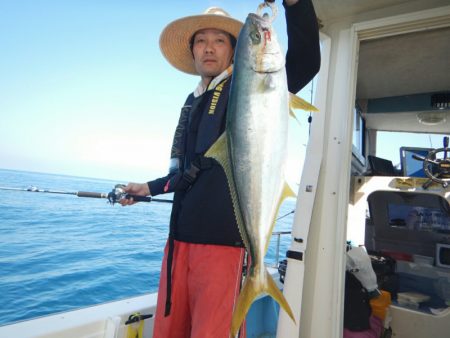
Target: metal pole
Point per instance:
(277, 256)
(277, 253)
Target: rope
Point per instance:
(281, 217)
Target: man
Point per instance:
(204, 257)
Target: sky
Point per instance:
(85, 90)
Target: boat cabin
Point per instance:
(403, 202)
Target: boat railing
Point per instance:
(277, 248)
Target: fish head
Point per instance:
(259, 44)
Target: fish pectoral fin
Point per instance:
(251, 289)
(296, 102)
(287, 192)
(292, 114)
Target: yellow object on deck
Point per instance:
(380, 304)
(136, 330)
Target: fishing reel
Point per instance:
(118, 194)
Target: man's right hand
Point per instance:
(138, 189)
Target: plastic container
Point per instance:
(411, 300)
(442, 288)
(381, 304)
(423, 260)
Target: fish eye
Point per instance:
(256, 37)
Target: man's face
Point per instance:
(212, 52)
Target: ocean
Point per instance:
(63, 252)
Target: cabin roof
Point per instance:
(407, 64)
(334, 10)
(410, 65)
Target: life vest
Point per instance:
(202, 211)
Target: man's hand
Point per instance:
(290, 2)
(287, 2)
(138, 189)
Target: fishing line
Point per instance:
(281, 217)
(311, 101)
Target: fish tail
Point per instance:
(246, 297)
(273, 290)
(251, 289)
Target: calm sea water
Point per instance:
(62, 252)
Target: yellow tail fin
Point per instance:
(253, 287)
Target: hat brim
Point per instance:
(174, 39)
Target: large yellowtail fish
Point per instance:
(253, 150)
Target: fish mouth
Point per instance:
(258, 18)
(259, 21)
(269, 62)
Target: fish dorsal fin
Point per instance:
(296, 102)
(287, 192)
(219, 152)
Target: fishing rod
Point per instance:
(116, 195)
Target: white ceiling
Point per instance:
(399, 65)
(332, 10)
(404, 64)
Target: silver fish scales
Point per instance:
(253, 152)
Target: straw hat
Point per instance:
(174, 39)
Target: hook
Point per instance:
(270, 5)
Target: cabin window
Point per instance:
(359, 131)
(389, 146)
(418, 218)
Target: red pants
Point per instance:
(205, 285)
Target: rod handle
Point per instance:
(160, 200)
(91, 194)
(139, 198)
